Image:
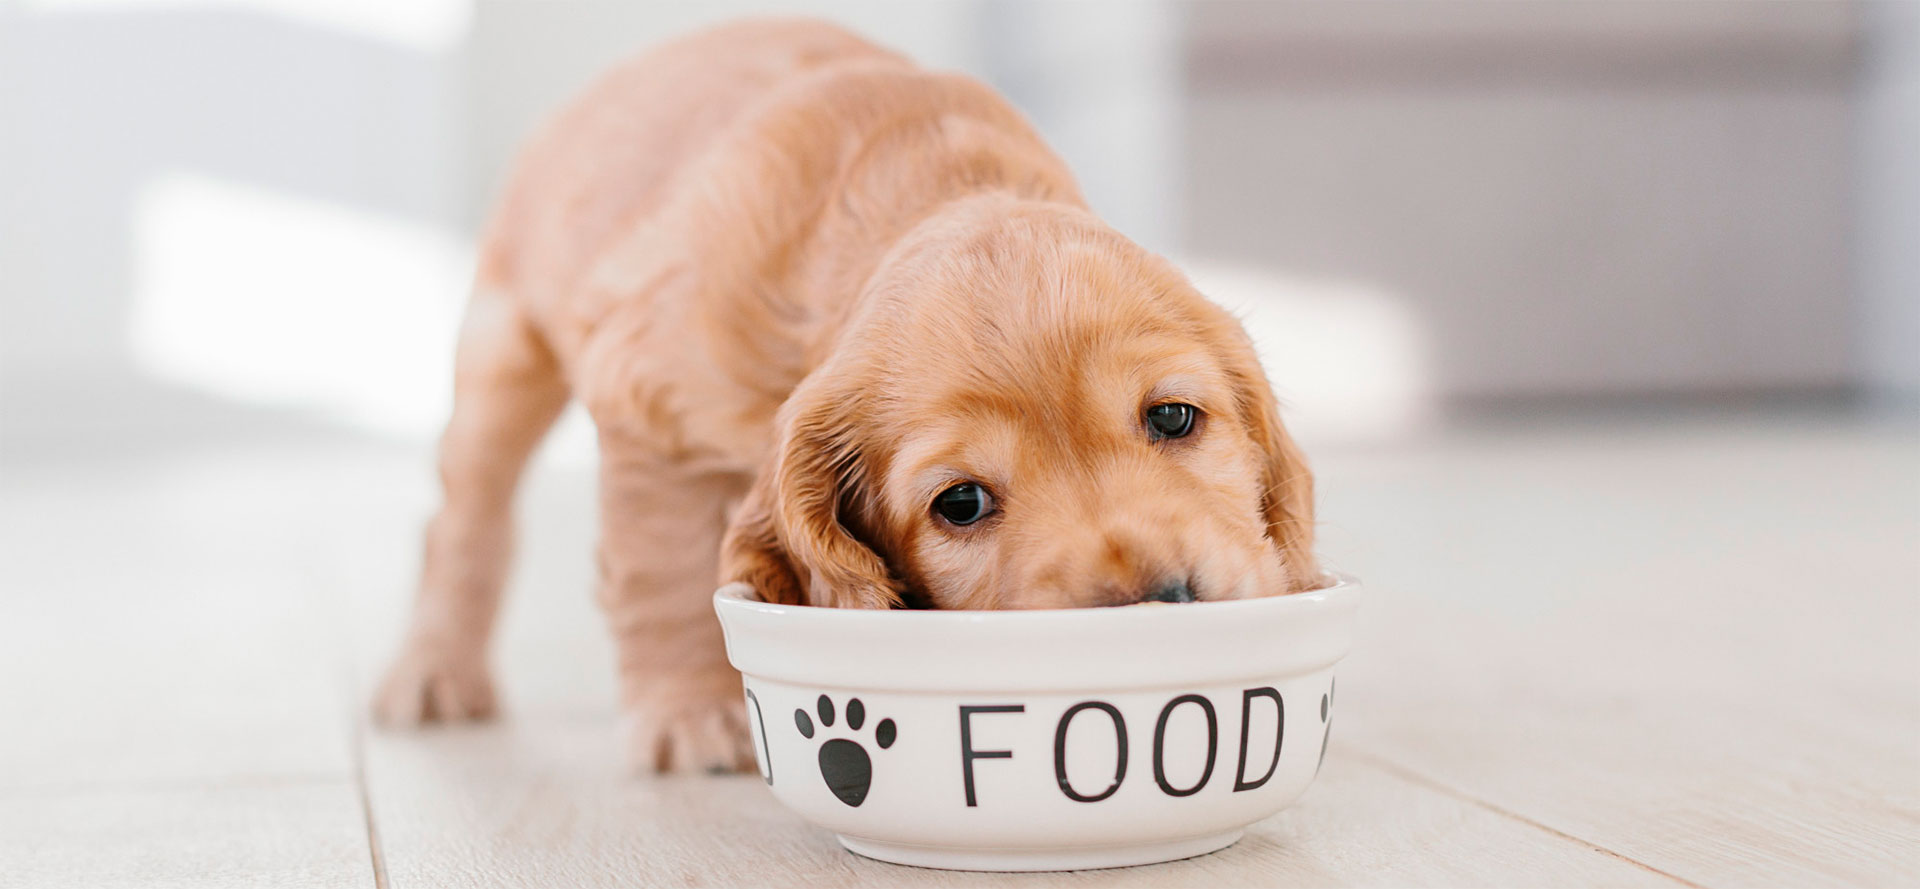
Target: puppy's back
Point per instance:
(610, 156)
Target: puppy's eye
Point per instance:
(1170, 420)
(963, 504)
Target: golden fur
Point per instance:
(802, 286)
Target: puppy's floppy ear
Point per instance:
(789, 540)
(1288, 483)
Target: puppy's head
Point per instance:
(1029, 411)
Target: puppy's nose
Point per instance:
(1175, 591)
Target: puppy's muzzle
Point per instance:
(1173, 591)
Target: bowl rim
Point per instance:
(1340, 588)
(1063, 650)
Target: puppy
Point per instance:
(850, 335)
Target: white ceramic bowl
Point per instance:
(1040, 740)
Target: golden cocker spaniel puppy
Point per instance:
(849, 334)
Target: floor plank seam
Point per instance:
(374, 851)
(366, 812)
(1407, 774)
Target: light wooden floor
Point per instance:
(1613, 650)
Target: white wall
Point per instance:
(102, 101)
(1572, 197)
(1888, 187)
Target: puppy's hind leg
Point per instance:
(660, 524)
(507, 393)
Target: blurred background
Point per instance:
(1600, 320)
(271, 203)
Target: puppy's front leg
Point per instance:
(660, 526)
(507, 391)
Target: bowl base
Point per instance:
(1069, 858)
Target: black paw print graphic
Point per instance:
(1326, 716)
(844, 764)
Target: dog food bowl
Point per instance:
(1040, 740)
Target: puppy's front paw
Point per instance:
(431, 684)
(688, 731)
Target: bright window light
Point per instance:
(271, 299)
(422, 25)
(1349, 362)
